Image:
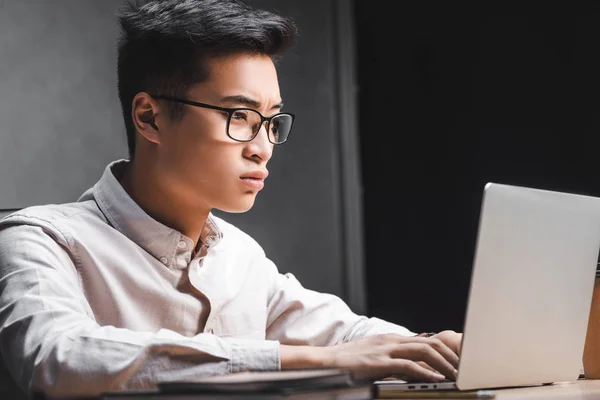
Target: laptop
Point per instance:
(530, 294)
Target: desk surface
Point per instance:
(581, 389)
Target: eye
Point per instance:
(275, 126)
(240, 115)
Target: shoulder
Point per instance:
(57, 220)
(35, 239)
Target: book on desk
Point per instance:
(330, 384)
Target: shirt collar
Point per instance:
(165, 244)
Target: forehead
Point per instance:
(253, 75)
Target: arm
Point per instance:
(301, 316)
(319, 330)
(51, 343)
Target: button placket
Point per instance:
(181, 262)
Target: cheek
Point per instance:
(210, 163)
(201, 159)
(215, 160)
(188, 142)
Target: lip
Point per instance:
(255, 179)
(260, 174)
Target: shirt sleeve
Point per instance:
(51, 343)
(300, 316)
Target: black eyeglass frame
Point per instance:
(230, 112)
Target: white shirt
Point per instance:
(97, 296)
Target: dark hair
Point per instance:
(164, 44)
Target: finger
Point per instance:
(458, 342)
(440, 346)
(452, 339)
(424, 352)
(444, 350)
(426, 366)
(412, 371)
(422, 364)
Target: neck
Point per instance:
(160, 200)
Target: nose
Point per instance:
(260, 147)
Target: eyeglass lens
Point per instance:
(245, 124)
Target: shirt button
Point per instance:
(164, 260)
(181, 263)
(182, 244)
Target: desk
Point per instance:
(580, 390)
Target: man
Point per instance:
(137, 282)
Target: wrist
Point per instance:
(300, 357)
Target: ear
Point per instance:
(144, 112)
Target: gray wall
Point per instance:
(60, 124)
(60, 121)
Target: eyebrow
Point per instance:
(247, 101)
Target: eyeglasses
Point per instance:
(243, 124)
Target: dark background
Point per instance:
(453, 95)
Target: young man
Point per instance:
(137, 282)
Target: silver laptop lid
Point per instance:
(531, 288)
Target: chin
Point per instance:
(238, 208)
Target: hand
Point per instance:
(451, 339)
(409, 358)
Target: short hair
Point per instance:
(164, 45)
